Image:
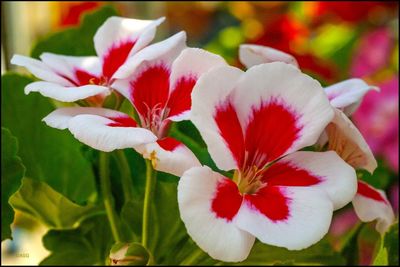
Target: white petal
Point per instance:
(67, 65)
(39, 69)
(285, 85)
(322, 140)
(60, 117)
(186, 69)
(310, 214)
(194, 62)
(336, 177)
(220, 238)
(65, 94)
(251, 55)
(162, 52)
(117, 29)
(348, 142)
(212, 88)
(347, 95)
(181, 117)
(94, 131)
(368, 208)
(173, 160)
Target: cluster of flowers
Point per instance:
(254, 124)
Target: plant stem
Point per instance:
(107, 196)
(125, 172)
(150, 183)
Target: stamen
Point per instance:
(249, 180)
(154, 118)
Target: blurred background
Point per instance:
(332, 41)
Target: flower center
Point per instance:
(102, 81)
(154, 120)
(249, 180)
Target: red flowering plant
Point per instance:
(172, 156)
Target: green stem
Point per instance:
(192, 258)
(107, 196)
(126, 175)
(150, 183)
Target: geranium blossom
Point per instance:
(158, 82)
(345, 95)
(68, 78)
(341, 135)
(369, 203)
(253, 123)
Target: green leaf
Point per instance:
(40, 201)
(87, 245)
(349, 246)
(320, 253)
(132, 254)
(187, 133)
(388, 253)
(381, 178)
(12, 171)
(75, 41)
(49, 155)
(381, 258)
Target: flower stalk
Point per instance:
(150, 184)
(107, 196)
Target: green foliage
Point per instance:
(187, 133)
(165, 224)
(87, 245)
(62, 175)
(66, 42)
(49, 155)
(321, 252)
(349, 245)
(12, 171)
(40, 201)
(381, 178)
(388, 253)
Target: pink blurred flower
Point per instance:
(343, 222)
(373, 53)
(378, 121)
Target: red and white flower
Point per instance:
(372, 204)
(159, 81)
(369, 203)
(68, 78)
(341, 134)
(346, 95)
(253, 123)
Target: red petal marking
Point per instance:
(287, 175)
(227, 200)
(180, 99)
(271, 202)
(231, 130)
(74, 83)
(115, 57)
(270, 132)
(85, 78)
(150, 89)
(168, 143)
(368, 191)
(122, 121)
